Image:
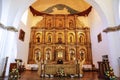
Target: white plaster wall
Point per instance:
(96, 27)
(23, 46)
(114, 41)
(0, 8)
(116, 4)
(107, 8)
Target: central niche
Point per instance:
(60, 53)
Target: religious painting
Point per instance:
(21, 35)
(60, 54)
(49, 22)
(99, 36)
(59, 22)
(71, 22)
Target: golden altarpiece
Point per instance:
(60, 39)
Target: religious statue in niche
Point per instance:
(48, 55)
(82, 55)
(81, 60)
(59, 40)
(72, 54)
(71, 25)
(49, 23)
(38, 39)
(71, 39)
(81, 39)
(49, 39)
(37, 55)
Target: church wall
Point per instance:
(109, 13)
(23, 46)
(116, 11)
(0, 8)
(96, 27)
(114, 51)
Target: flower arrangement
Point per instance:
(60, 72)
(109, 74)
(14, 74)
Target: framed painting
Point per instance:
(99, 37)
(21, 35)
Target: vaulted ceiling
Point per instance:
(61, 6)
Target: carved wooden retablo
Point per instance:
(60, 37)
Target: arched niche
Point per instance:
(48, 54)
(49, 37)
(60, 37)
(38, 37)
(37, 54)
(71, 37)
(81, 38)
(72, 54)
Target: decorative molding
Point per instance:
(112, 29)
(60, 7)
(9, 28)
(38, 13)
(2, 26)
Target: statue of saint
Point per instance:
(59, 40)
(81, 61)
(38, 62)
(49, 39)
(38, 39)
(48, 55)
(71, 39)
(72, 55)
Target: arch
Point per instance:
(20, 12)
(99, 10)
(93, 3)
